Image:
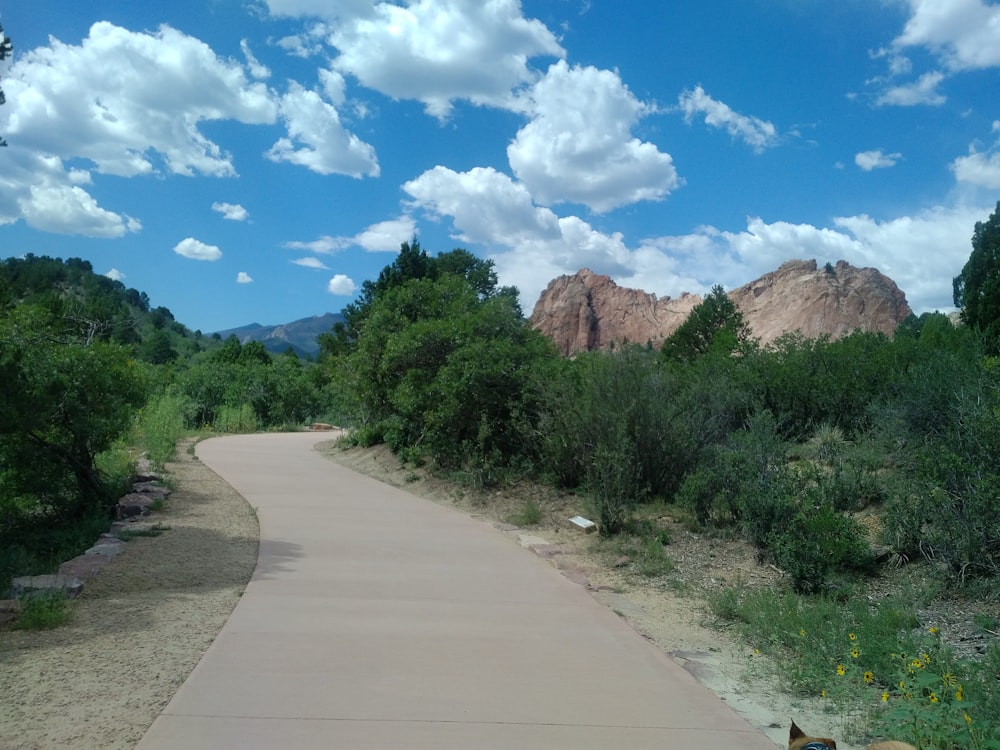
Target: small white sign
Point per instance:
(582, 523)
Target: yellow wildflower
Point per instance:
(968, 719)
(841, 670)
(932, 697)
(852, 636)
(855, 653)
(802, 631)
(885, 696)
(869, 678)
(959, 695)
(933, 630)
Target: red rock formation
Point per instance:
(589, 311)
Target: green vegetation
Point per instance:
(43, 612)
(977, 288)
(874, 664)
(835, 459)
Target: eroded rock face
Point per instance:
(833, 301)
(589, 311)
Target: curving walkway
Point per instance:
(376, 619)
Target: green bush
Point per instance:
(818, 544)
(43, 612)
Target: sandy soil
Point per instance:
(137, 630)
(140, 626)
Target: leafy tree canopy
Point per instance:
(977, 288)
(713, 326)
(413, 263)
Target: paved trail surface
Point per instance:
(378, 620)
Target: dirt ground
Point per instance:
(137, 630)
(143, 623)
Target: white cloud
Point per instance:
(341, 285)
(979, 168)
(964, 34)
(121, 96)
(256, 68)
(64, 209)
(231, 211)
(115, 275)
(922, 91)
(311, 263)
(196, 250)
(243, 278)
(384, 236)
(579, 147)
(757, 133)
(317, 140)
(438, 51)
(324, 245)
(869, 160)
(531, 245)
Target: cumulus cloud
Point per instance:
(115, 275)
(311, 263)
(964, 34)
(922, 91)
(757, 133)
(317, 140)
(243, 278)
(197, 250)
(869, 160)
(438, 52)
(384, 236)
(231, 211)
(121, 103)
(121, 96)
(38, 189)
(341, 285)
(578, 146)
(980, 168)
(531, 245)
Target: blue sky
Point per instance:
(256, 160)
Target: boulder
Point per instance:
(84, 566)
(69, 586)
(136, 504)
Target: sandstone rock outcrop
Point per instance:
(832, 301)
(589, 311)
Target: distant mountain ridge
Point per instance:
(299, 335)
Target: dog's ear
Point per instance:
(794, 733)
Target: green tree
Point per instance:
(65, 401)
(977, 288)
(715, 325)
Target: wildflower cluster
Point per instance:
(924, 700)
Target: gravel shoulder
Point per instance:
(139, 627)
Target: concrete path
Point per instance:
(376, 619)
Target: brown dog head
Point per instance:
(797, 740)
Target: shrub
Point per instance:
(43, 612)
(818, 543)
